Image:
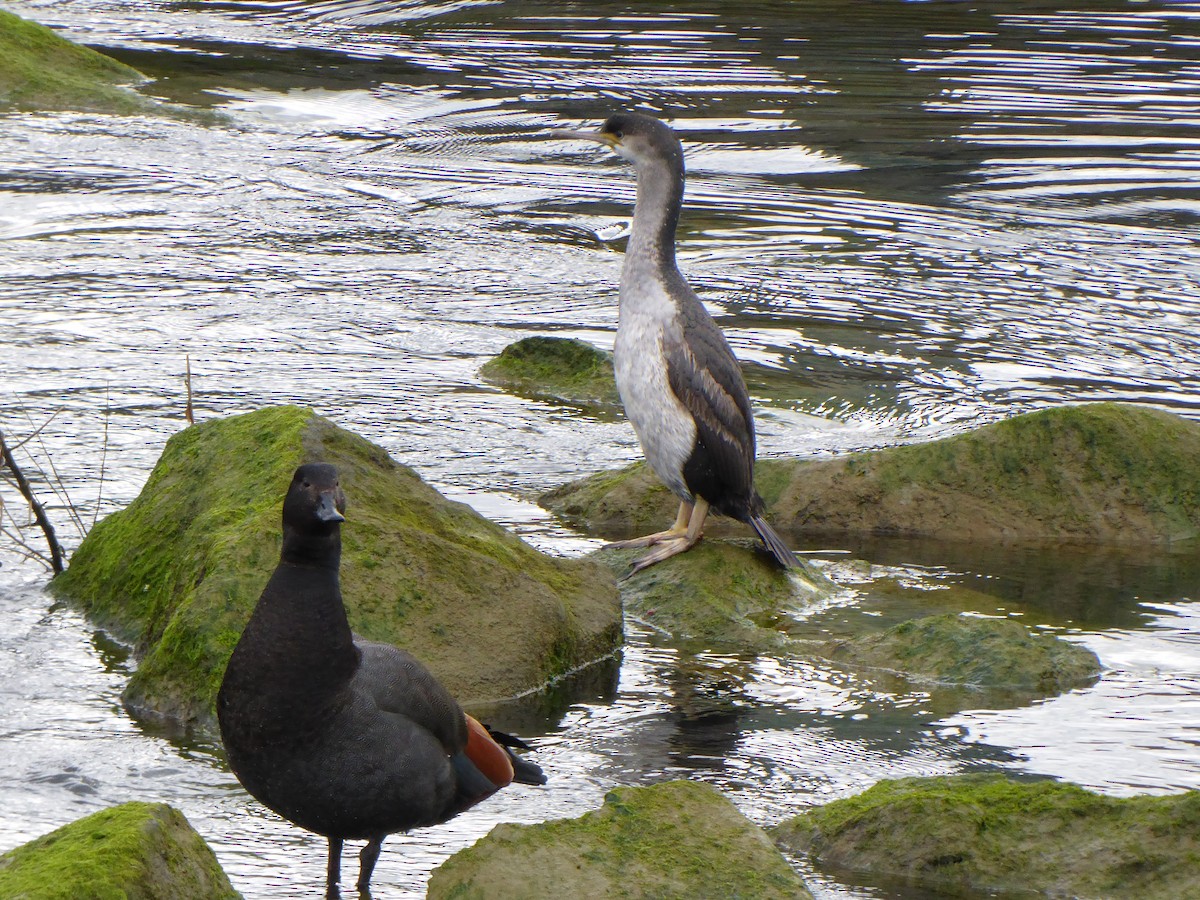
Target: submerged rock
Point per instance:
(675, 840)
(561, 369)
(1104, 472)
(179, 570)
(139, 851)
(994, 833)
(973, 651)
(40, 70)
(717, 593)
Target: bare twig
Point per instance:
(103, 460)
(30, 552)
(37, 431)
(187, 380)
(56, 485)
(39, 512)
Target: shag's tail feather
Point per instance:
(774, 542)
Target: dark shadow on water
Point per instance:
(1086, 586)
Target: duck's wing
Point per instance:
(399, 683)
(704, 374)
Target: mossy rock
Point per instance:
(135, 851)
(675, 840)
(719, 592)
(974, 652)
(559, 369)
(1100, 472)
(994, 833)
(179, 570)
(41, 70)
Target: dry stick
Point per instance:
(29, 553)
(37, 431)
(39, 513)
(187, 380)
(103, 460)
(56, 483)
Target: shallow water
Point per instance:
(923, 216)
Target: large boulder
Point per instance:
(718, 593)
(1102, 472)
(675, 840)
(991, 833)
(137, 851)
(178, 571)
(40, 70)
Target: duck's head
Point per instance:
(315, 502)
(641, 139)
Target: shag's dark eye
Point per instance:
(307, 483)
(618, 133)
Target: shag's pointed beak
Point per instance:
(600, 137)
(327, 510)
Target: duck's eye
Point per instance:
(307, 484)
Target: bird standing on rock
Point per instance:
(344, 737)
(679, 381)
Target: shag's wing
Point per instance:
(400, 684)
(705, 376)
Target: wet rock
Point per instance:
(139, 851)
(718, 592)
(559, 369)
(1104, 472)
(178, 571)
(675, 840)
(40, 70)
(994, 833)
(972, 651)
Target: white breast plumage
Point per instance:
(664, 426)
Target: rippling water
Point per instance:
(923, 216)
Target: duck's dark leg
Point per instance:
(366, 860)
(333, 870)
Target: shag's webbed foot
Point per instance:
(677, 540)
(675, 532)
(664, 550)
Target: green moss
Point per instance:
(674, 840)
(178, 571)
(561, 369)
(135, 851)
(717, 592)
(1103, 472)
(968, 650)
(992, 833)
(40, 70)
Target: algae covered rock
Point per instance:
(40, 70)
(675, 840)
(178, 571)
(718, 593)
(973, 651)
(560, 369)
(1104, 472)
(994, 833)
(139, 851)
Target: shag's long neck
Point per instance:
(651, 249)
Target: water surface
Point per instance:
(922, 216)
